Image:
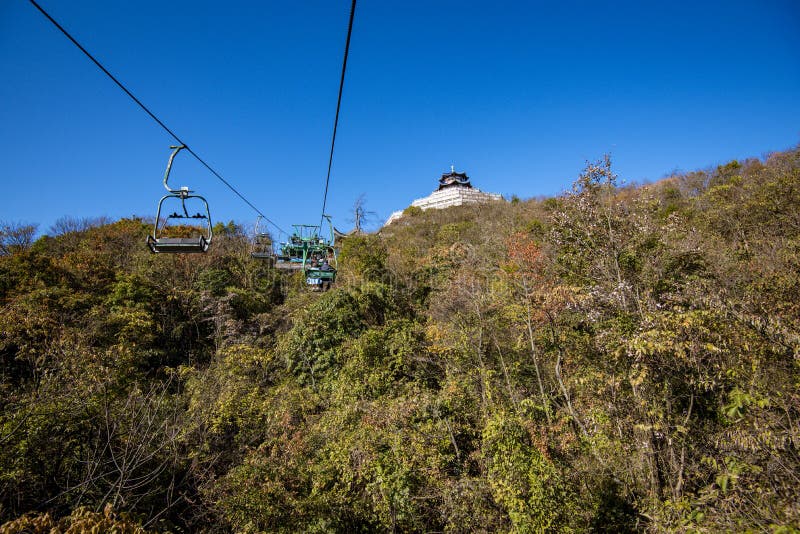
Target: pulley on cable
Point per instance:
(193, 233)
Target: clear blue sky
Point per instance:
(517, 94)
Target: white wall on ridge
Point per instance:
(448, 197)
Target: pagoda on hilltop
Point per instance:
(454, 189)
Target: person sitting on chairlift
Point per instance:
(325, 266)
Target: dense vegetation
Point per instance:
(615, 359)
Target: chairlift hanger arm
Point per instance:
(183, 191)
(330, 224)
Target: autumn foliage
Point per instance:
(619, 358)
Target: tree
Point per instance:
(15, 237)
(68, 224)
(361, 217)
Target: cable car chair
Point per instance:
(261, 248)
(159, 241)
(307, 251)
(292, 253)
(320, 263)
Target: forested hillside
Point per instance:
(618, 359)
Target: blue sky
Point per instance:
(517, 94)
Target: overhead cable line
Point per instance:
(338, 106)
(151, 114)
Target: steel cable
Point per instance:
(338, 107)
(155, 118)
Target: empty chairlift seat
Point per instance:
(193, 233)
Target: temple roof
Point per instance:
(454, 178)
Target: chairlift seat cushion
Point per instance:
(180, 245)
(289, 266)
